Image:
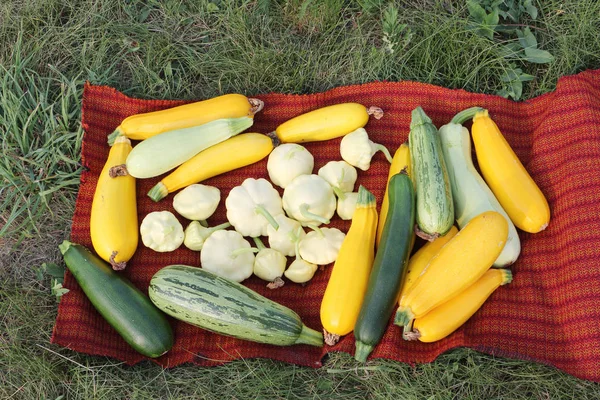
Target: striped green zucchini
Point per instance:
(220, 305)
(435, 208)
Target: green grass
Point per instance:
(197, 49)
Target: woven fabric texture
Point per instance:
(550, 313)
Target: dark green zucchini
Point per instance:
(389, 267)
(129, 311)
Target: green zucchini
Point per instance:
(389, 267)
(129, 311)
(222, 306)
(435, 207)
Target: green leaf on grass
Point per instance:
(538, 56)
(476, 12)
(530, 9)
(526, 38)
(58, 290)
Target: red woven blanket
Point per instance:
(550, 313)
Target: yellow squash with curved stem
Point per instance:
(350, 274)
(457, 265)
(506, 176)
(400, 161)
(451, 315)
(326, 123)
(145, 125)
(233, 153)
(113, 219)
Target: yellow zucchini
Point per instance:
(233, 153)
(451, 315)
(145, 125)
(400, 161)
(420, 260)
(457, 265)
(326, 123)
(350, 274)
(508, 179)
(113, 219)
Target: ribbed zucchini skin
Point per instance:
(123, 305)
(389, 266)
(220, 305)
(435, 207)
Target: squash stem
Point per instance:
(379, 147)
(260, 209)
(274, 138)
(259, 244)
(114, 135)
(310, 336)
(465, 115)
(375, 111)
(256, 105)
(362, 351)
(308, 215)
(365, 198)
(215, 228)
(243, 250)
(64, 246)
(158, 192)
(339, 193)
(403, 317)
(411, 335)
(316, 229)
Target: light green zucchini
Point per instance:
(223, 306)
(470, 193)
(161, 153)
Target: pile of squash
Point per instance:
(468, 222)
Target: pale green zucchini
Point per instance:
(435, 208)
(470, 193)
(163, 152)
(220, 305)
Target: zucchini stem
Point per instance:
(64, 246)
(365, 198)
(404, 317)
(260, 209)
(310, 336)
(362, 351)
(114, 135)
(465, 115)
(158, 192)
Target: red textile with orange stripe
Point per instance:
(550, 313)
